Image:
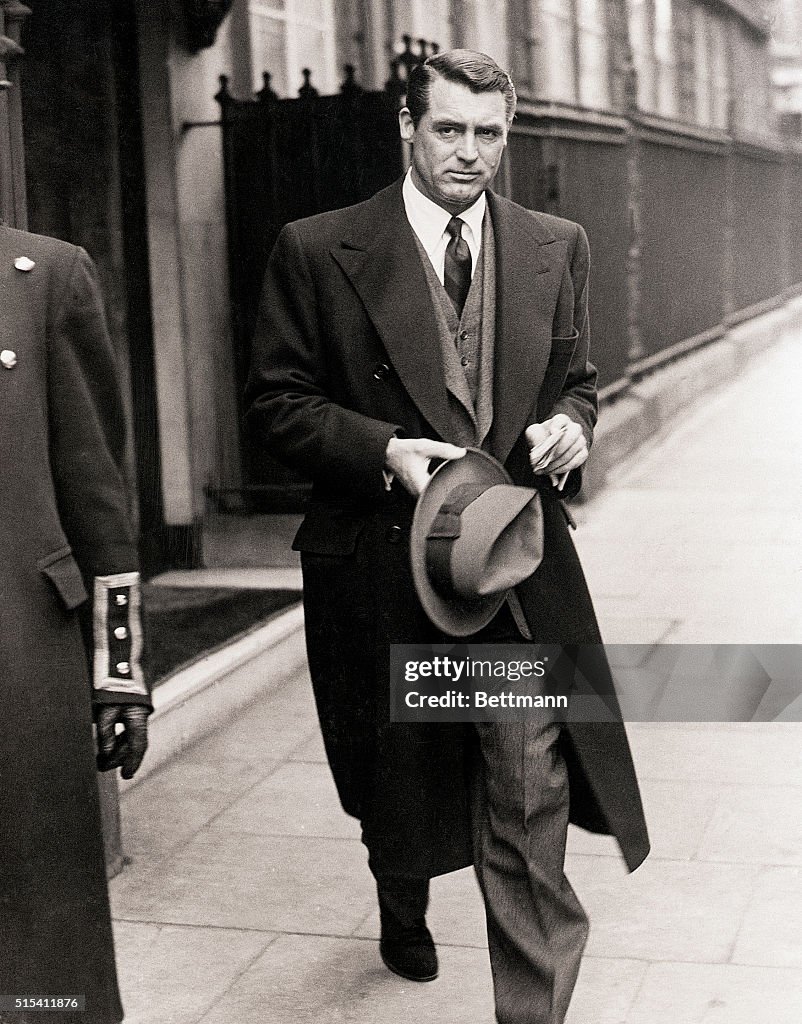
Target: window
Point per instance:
(703, 108)
(594, 57)
(555, 72)
(719, 72)
(655, 52)
(571, 58)
(641, 32)
(751, 79)
(289, 35)
(423, 19)
(667, 91)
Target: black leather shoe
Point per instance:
(410, 953)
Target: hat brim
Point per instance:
(454, 616)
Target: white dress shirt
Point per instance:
(429, 222)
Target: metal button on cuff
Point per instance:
(394, 534)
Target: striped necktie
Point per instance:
(457, 266)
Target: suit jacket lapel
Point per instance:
(528, 264)
(381, 260)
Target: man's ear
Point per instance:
(405, 125)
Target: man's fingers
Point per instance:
(535, 434)
(113, 757)
(438, 450)
(125, 749)
(136, 739)
(106, 720)
(574, 463)
(132, 757)
(561, 460)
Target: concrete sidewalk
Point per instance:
(248, 899)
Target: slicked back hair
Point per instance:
(477, 71)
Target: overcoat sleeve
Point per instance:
(87, 452)
(289, 394)
(577, 397)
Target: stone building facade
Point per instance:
(111, 139)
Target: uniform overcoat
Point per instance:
(346, 353)
(64, 519)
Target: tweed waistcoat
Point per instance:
(467, 343)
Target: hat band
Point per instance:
(442, 534)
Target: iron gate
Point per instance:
(286, 159)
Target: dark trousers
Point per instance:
(536, 927)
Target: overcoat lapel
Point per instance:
(381, 260)
(528, 263)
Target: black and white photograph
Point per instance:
(401, 595)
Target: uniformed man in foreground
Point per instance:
(70, 634)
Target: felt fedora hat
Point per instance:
(474, 536)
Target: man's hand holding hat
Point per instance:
(569, 453)
(408, 459)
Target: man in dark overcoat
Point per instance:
(70, 634)
(434, 316)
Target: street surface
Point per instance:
(248, 898)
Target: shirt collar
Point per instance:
(429, 221)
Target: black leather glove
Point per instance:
(126, 749)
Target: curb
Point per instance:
(194, 701)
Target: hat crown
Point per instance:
(475, 535)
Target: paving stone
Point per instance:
(270, 729)
(676, 814)
(605, 990)
(270, 883)
(635, 629)
(173, 975)
(168, 808)
(685, 993)
(750, 753)
(666, 910)
(771, 933)
(313, 750)
(317, 980)
(756, 825)
(296, 800)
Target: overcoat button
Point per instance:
(123, 668)
(394, 535)
(464, 335)
(24, 263)
(381, 372)
(121, 633)
(465, 360)
(8, 359)
(121, 600)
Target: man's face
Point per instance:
(457, 145)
